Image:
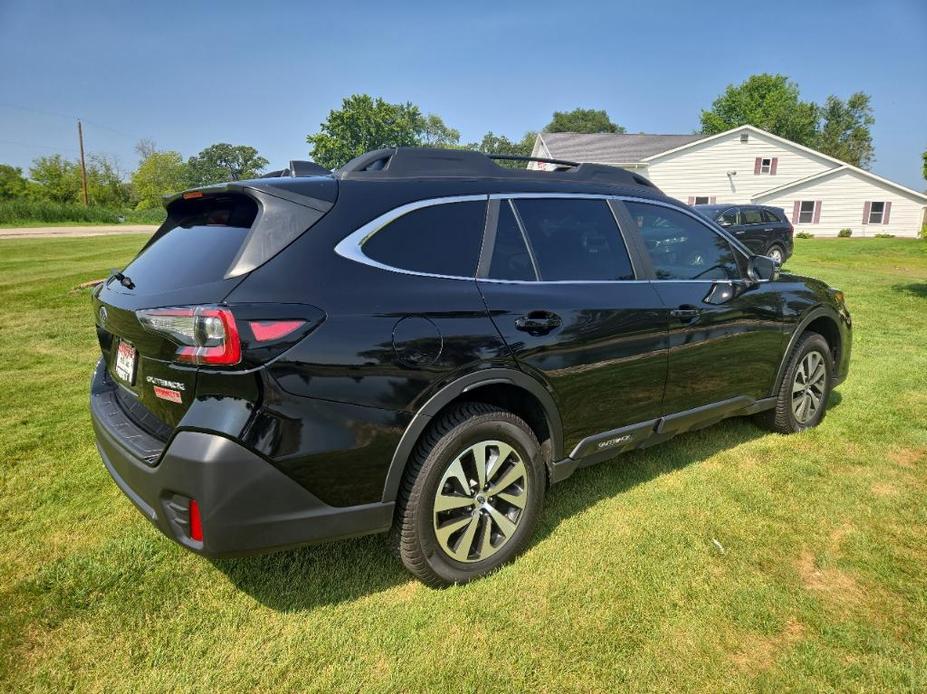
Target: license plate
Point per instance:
(125, 362)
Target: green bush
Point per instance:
(47, 212)
(844, 233)
(884, 236)
(804, 235)
(923, 232)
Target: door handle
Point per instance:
(740, 231)
(686, 313)
(768, 229)
(538, 322)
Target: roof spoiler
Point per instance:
(299, 168)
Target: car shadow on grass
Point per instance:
(918, 289)
(347, 570)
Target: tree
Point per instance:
(159, 174)
(365, 123)
(12, 182)
(582, 120)
(106, 185)
(434, 133)
(845, 131)
(770, 102)
(224, 162)
(500, 144)
(145, 147)
(925, 164)
(58, 179)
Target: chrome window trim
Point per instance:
(581, 196)
(350, 247)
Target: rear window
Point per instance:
(439, 240)
(195, 246)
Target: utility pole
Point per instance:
(83, 166)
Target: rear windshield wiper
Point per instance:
(124, 280)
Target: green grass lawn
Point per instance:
(727, 559)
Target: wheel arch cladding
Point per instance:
(511, 390)
(826, 327)
(821, 320)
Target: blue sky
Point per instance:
(266, 74)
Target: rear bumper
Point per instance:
(246, 504)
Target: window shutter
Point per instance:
(757, 163)
(866, 208)
(711, 201)
(691, 200)
(888, 209)
(817, 211)
(773, 165)
(796, 210)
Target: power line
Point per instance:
(56, 114)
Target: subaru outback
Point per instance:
(422, 342)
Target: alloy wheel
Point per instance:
(808, 387)
(480, 501)
(776, 254)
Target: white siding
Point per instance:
(702, 168)
(843, 196)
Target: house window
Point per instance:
(806, 212)
(876, 212)
(765, 165)
(702, 199)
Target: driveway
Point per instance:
(64, 231)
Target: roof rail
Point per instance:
(428, 162)
(542, 160)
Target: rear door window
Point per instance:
(439, 240)
(574, 239)
(751, 215)
(682, 248)
(770, 217)
(510, 257)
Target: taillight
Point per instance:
(205, 334)
(269, 330)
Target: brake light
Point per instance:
(205, 334)
(267, 330)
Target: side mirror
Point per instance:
(762, 269)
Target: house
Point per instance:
(745, 165)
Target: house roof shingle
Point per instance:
(612, 148)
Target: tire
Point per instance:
(801, 384)
(433, 544)
(773, 250)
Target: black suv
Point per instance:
(764, 230)
(423, 341)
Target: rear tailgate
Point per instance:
(208, 245)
